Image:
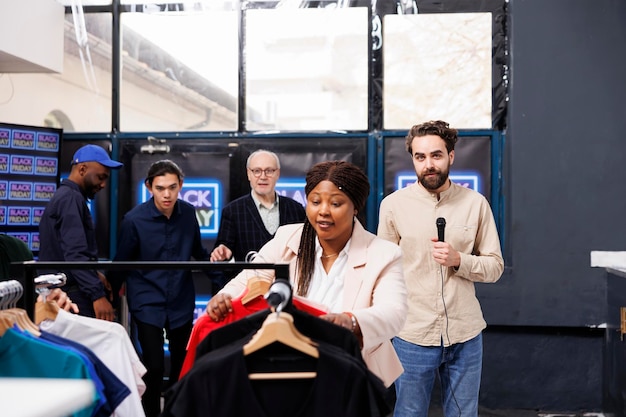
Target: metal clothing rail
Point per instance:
(28, 270)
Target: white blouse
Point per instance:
(327, 288)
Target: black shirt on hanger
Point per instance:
(218, 385)
(307, 324)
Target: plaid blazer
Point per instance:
(241, 227)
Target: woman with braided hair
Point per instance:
(335, 262)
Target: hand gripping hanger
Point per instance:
(44, 283)
(47, 310)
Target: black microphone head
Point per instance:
(441, 225)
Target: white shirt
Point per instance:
(110, 342)
(327, 288)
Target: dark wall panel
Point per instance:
(564, 175)
(564, 161)
(542, 368)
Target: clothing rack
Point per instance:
(10, 292)
(55, 397)
(28, 270)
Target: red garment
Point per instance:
(204, 325)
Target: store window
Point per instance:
(265, 66)
(438, 66)
(75, 3)
(179, 69)
(306, 69)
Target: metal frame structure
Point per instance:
(29, 271)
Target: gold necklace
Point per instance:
(329, 256)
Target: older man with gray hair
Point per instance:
(250, 221)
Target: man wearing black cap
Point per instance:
(66, 230)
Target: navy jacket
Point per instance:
(156, 296)
(67, 233)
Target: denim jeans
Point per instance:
(459, 368)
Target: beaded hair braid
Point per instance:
(351, 180)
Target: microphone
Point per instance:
(441, 225)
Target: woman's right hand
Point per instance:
(62, 299)
(219, 306)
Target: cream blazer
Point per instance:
(374, 290)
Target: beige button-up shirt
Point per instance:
(442, 301)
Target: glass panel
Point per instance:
(437, 66)
(180, 71)
(79, 98)
(306, 69)
(80, 3)
(177, 5)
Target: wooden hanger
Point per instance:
(6, 320)
(6, 323)
(256, 286)
(279, 327)
(12, 291)
(23, 321)
(45, 310)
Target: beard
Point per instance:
(90, 189)
(433, 183)
(91, 192)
